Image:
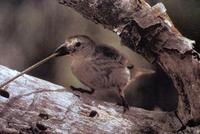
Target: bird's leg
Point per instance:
(82, 90)
(123, 100)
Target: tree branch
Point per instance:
(37, 106)
(150, 32)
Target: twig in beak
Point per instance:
(5, 93)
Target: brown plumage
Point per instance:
(100, 67)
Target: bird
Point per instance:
(100, 67)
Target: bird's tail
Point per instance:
(138, 71)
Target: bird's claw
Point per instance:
(124, 104)
(82, 90)
(126, 107)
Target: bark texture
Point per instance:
(150, 32)
(38, 106)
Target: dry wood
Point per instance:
(36, 105)
(150, 32)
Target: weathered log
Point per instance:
(36, 106)
(150, 32)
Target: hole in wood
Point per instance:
(93, 113)
(153, 92)
(148, 130)
(41, 127)
(44, 116)
(4, 93)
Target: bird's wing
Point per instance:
(110, 54)
(106, 69)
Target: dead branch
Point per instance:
(150, 32)
(37, 106)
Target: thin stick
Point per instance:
(28, 69)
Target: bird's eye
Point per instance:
(78, 44)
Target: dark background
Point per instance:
(31, 30)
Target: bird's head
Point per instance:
(76, 45)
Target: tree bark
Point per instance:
(150, 32)
(38, 106)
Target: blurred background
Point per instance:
(31, 29)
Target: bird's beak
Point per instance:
(62, 50)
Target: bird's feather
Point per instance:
(111, 54)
